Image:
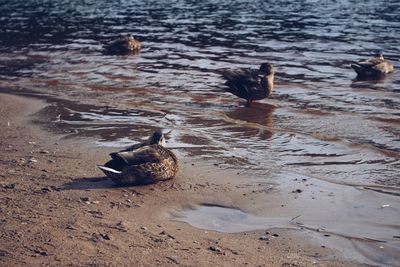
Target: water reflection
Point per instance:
(363, 229)
(56, 48)
(259, 113)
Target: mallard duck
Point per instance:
(124, 45)
(373, 67)
(145, 164)
(250, 84)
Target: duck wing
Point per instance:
(372, 66)
(133, 147)
(164, 167)
(118, 46)
(241, 83)
(145, 154)
(240, 76)
(362, 66)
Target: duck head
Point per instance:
(267, 72)
(129, 37)
(157, 138)
(266, 69)
(379, 55)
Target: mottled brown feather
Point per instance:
(148, 164)
(373, 67)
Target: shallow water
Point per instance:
(320, 122)
(351, 220)
(369, 245)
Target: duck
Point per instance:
(124, 45)
(145, 163)
(250, 84)
(373, 67)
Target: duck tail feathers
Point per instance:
(124, 156)
(107, 169)
(357, 68)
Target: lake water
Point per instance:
(320, 121)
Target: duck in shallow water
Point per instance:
(374, 67)
(124, 45)
(144, 163)
(250, 84)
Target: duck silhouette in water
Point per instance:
(250, 84)
(374, 67)
(123, 45)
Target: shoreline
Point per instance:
(56, 210)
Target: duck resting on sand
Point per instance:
(250, 84)
(144, 163)
(124, 45)
(374, 67)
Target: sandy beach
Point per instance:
(57, 209)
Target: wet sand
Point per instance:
(58, 210)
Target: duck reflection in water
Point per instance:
(257, 118)
(250, 84)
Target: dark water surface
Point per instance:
(320, 121)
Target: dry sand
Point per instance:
(58, 210)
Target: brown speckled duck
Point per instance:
(250, 84)
(144, 163)
(374, 67)
(124, 45)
